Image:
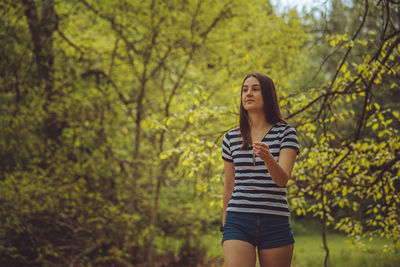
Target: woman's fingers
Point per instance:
(260, 146)
(260, 150)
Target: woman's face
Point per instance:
(252, 99)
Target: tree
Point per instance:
(348, 176)
(112, 113)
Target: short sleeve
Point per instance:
(290, 140)
(226, 149)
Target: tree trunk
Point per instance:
(326, 261)
(154, 213)
(42, 28)
(323, 224)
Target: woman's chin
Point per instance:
(254, 110)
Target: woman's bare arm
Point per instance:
(229, 183)
(280, 171)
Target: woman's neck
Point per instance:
(258, 121)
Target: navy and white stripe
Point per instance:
(255, 191)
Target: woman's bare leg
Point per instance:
(238, 253)
(276, 257)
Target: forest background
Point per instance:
(113, 112)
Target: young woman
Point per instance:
(259, 157)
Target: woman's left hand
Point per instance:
(261, 150)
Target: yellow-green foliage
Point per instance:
(112, 114)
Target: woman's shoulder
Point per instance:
(234, 132)
(284, 128)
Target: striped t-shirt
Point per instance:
(255, 191)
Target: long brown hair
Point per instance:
(271, 107)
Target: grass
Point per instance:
(309, 251)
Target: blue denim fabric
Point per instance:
(261, 230)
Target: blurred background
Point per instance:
(112, 115)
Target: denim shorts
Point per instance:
(261, 230)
